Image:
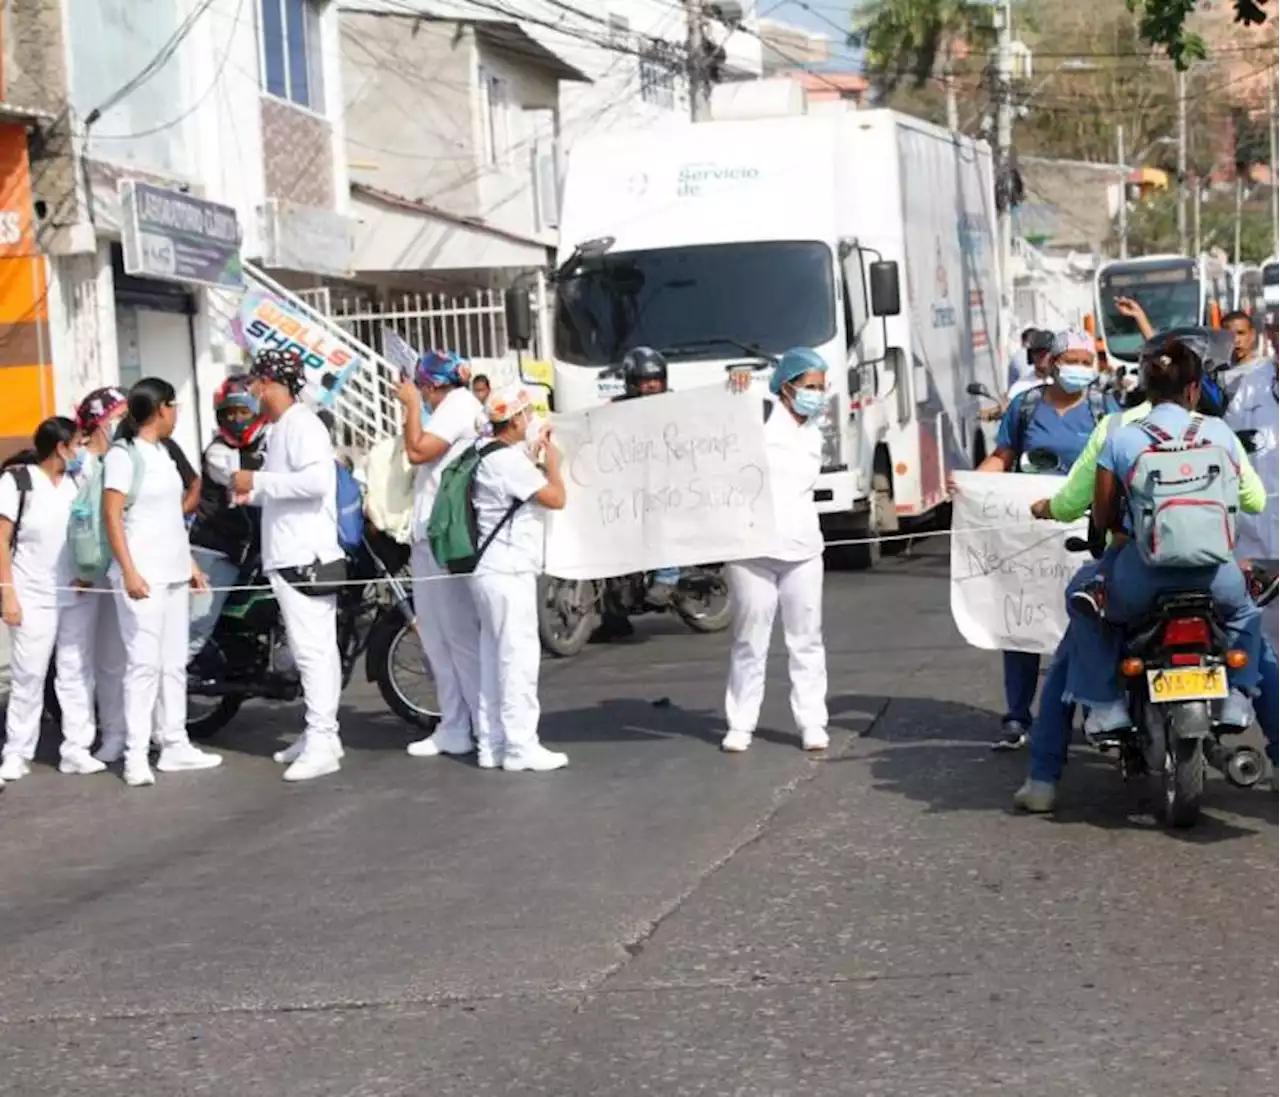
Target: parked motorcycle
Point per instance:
(1174, 670)
(569, 610)
(247, 658)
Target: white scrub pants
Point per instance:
(32, 645)
(154, 631)
(757, 588)
(450, 631)
(510, 655)
(91, 661)
(311, 627)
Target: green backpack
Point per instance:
(87, 532)
(451, 530)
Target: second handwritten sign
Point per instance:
(663, 481)
(1009, 572)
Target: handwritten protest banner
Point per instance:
(666, 481)
(266, 321)
(1009, 572)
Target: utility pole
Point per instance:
(696, 61)
(1182, 161)
(953, 108)
(1272, 123)
(1124, 194)
(1235, 250)
(1195, 219)
(1004, 148)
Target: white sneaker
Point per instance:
(186, 756)
(815, 739)
(1036, 797)
(317, 762)
(433, 746)
(537, 759)
(487, 758)
(80, 763)
(735, 742)
(138, 776)
(294, 750)
(110, 752)
(13, 768)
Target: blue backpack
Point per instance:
(350, 501)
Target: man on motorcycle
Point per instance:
(1051, 730)
(644, 373)
(224, 536)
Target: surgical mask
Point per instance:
(808, 403)
(1077, 378)
(76, 465)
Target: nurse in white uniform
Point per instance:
(445, 611)
(93, 656)
(152, 573)
(510, 494)
(790, 577)
(35, 576)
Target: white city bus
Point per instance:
(1173, 290)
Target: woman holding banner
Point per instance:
(1044, 430)
(790, 577)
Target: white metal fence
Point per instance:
(473, 325)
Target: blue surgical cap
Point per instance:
(795, 363)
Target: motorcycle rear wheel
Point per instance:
(1183, 782)
(706, 612)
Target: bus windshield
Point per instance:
(771, 294)
(1169, 294)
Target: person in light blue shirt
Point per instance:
(1053, 422)
(1172, 374)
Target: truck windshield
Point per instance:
(774, 295)
(1168, 293)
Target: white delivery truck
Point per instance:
(868, 236)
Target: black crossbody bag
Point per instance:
(317, 580)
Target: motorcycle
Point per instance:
(1174, 671)
(246, 657)
(568, 609)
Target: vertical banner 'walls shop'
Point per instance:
(26, 370)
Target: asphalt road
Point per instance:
(659, 918)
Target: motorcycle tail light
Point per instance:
(1183, 632)
(1132, 667)
(1237, 659)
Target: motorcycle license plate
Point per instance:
(1187, 684)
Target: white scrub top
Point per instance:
(458, 421)
(42, 557)
(1255, 407)
(154, 527)
(794, 453)
(504, 477)
(297, 488)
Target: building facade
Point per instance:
(177, 138)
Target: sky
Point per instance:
(829, 17)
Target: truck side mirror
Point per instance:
(886, 297)
(519, 312)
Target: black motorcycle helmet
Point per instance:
(644, 372)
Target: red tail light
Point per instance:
(1185, 632)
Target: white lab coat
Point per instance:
(504, 587)
(1254, 406)
(790, 577)
(41, 575)
(297, 490)
(445, 610)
